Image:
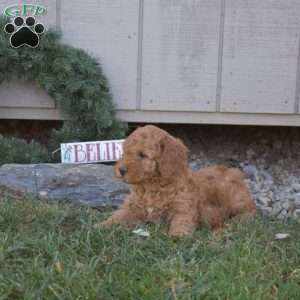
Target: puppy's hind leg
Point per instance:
(242, 205)
(238, 193)
(212, 218)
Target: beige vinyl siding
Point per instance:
(192, 61)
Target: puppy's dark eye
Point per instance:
(142, 155)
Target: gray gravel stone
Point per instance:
(296, 188)
(276, 209)
(265, 211)
(286, 205)
(297, 199)
(296, 214)
(250, 171)
(264, 201)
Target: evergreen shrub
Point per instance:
(19, 151)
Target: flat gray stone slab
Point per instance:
(89, 184)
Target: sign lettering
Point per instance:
(90, 152)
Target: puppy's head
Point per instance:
(150, 152)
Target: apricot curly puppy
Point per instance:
(162, 187)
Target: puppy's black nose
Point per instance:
(123, 170)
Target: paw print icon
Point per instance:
(24, 32)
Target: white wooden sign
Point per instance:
(90, 152)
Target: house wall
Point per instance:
(192, 61)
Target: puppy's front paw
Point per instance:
(104, 224)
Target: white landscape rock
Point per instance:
(141, 232)
(281, 236)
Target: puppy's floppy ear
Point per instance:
(173, 157)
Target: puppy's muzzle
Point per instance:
(123, 171)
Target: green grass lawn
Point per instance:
(53, 252)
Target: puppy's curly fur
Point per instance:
(162, 187)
